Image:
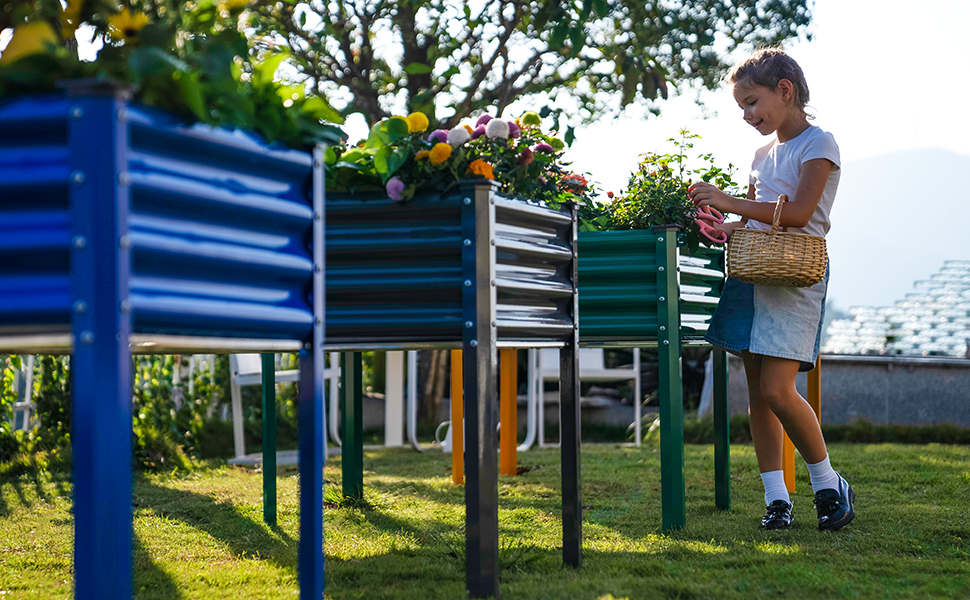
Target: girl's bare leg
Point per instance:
(766, 429)
(777, 393)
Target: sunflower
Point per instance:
(126, 25)
(30, 38)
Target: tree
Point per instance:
(449, 59)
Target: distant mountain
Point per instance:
(896, 218)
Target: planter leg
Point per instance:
(569, 417)
(311, 430)
(722, 432)
(352, 449)
(269, 438)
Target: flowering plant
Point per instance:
(402, 157)
(190, 57)
(656, 193)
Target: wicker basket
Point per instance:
(776, 257)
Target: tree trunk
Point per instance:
(432, 371)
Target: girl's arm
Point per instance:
(812, 178)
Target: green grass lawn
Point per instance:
(201, 535)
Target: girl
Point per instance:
(777, 330)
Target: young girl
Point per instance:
(777, 330)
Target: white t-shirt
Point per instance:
(775, 169)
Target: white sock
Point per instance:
(823, 476)
(775, 488)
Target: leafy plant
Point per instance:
(656, 194)
(191, 58)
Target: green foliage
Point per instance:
(191, 58)
(656, 194)
(54, 403)
(449, 60)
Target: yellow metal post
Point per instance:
(508, 410)
(815, 401)
(457, 421)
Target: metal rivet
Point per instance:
(492, 242)
(493, 283)
(317, 216)
(122, 114)
(576, 326)
(666, 342)
(79, 241)
(77, 177)
(468, 283)
(317, 268)
(87, 338)
(467, 242)
(123, 178)
(317, 164)
(494, 323)
(468, 200)
(660, 239)
(491, 200)
(125, 241)
(663, 328)
(661, 269)
(318, 321)
(473, 343)
(80, 307)
(662, 299)
(125, 306)
(469, 324)
(77, 112)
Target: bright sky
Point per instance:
(884, 76)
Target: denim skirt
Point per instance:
(774, 321)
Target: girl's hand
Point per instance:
(705, 194)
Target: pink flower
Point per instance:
(526, 157)
(479, 131)
(483, 120)
(514, 131)
(438, 136)
(497, 128)
(545, 148)
(395, 189)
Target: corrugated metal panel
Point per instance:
(618, 287)
(394, 271)
(219, 226)
(35, 218)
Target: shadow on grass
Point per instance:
(243, 535)
(150, 580)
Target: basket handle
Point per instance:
(776, 221)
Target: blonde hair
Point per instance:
(766, 67)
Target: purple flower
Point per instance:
(514, 131)
(438, 136)
(483, 120)
(543, 180)
(526, 157)
(395, 189)
(545, 148)
(478, 132)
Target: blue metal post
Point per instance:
(269, 437)
(313, 448)
(101, 362)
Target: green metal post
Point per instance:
(672, 487)
(722, 432)
(269, 439)
(351, 425)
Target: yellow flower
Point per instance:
(126, 25)
(439, 153)
(422, 155)
(417, 122)
(29, 38)
(480, 167)
(71, 18)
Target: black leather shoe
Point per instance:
(834, 507)
(778, 515)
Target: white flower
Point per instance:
(458, 136)
(497, 128)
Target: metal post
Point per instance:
(672, 487)
(313, 419)
(394, 400)
(269, 438)
(101, 361)
(352, 429)
(722, 432)
(570, 436)
(508, 409)
(479, 354)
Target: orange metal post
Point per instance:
(815, 401)
(508, 410)
(457, 421)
